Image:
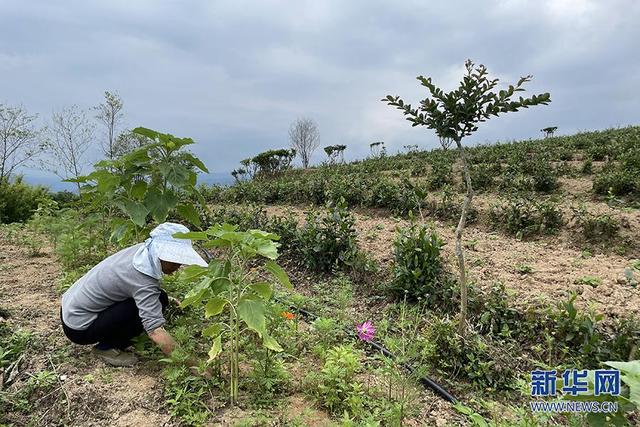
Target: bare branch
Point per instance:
(18, 139)
(305, 138)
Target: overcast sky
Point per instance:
(233, 75)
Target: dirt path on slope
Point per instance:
(98, 395)
(556, 262)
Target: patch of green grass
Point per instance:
(524, 269)
(592, 281)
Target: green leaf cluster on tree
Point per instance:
(335, 151)
(232, 292)
(454, 115)
(270, 162)
(146, 185)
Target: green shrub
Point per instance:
(598, 152)
(64, 198)
(596, 227)
(448, 206)
(418, 270)
(441, 173)
(525, 217)
(328, 240)
(575, 335)
(18, 201)
(620, 181)
(483, 175)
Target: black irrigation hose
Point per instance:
(425, 381)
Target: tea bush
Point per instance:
(524, 217)
(418, 269)
(596, 227)
(619, 181)
(328, 240)
(474, 358)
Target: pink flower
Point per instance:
(366, 331)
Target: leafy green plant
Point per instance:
(268, 379)
(628, 400)
(575, 333)
(18, 200)
(595, 227)
(328, 241)
(336, 386)
(592, 281)
(230, 290)
(418, 269)
(524, 217)
(524, 269)
(147, 183)
(185, 393)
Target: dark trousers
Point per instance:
(114, 327)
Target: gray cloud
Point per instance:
(234, 75)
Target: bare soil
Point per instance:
(88, 392)
(556, 261)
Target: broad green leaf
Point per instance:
(278, 273)
(138, 189)
(136, 211)
(196, 161)
(159, 203)
(269, 342)
(267, 249)
(630, 375)
(212, 330)
(192, 272)
(217, 243)
(216, 348)
(214, 306)
(177, 175)
(198, 292)
(120, 228)
(263, 289)
(146, 132)
(251, 311)
(189, 213)
(263, 234)
(219, 284)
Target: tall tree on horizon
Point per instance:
(305, 138)
(109, 114)
(68, 139)
(18, 139)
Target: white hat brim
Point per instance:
(180, 254)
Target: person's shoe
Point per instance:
(115, 357)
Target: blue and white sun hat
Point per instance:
(161, 245)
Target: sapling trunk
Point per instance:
(462, 326)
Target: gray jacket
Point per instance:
(114, 279)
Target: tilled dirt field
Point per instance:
(555, 262)
(87, 392)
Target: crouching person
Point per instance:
(120, 298)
